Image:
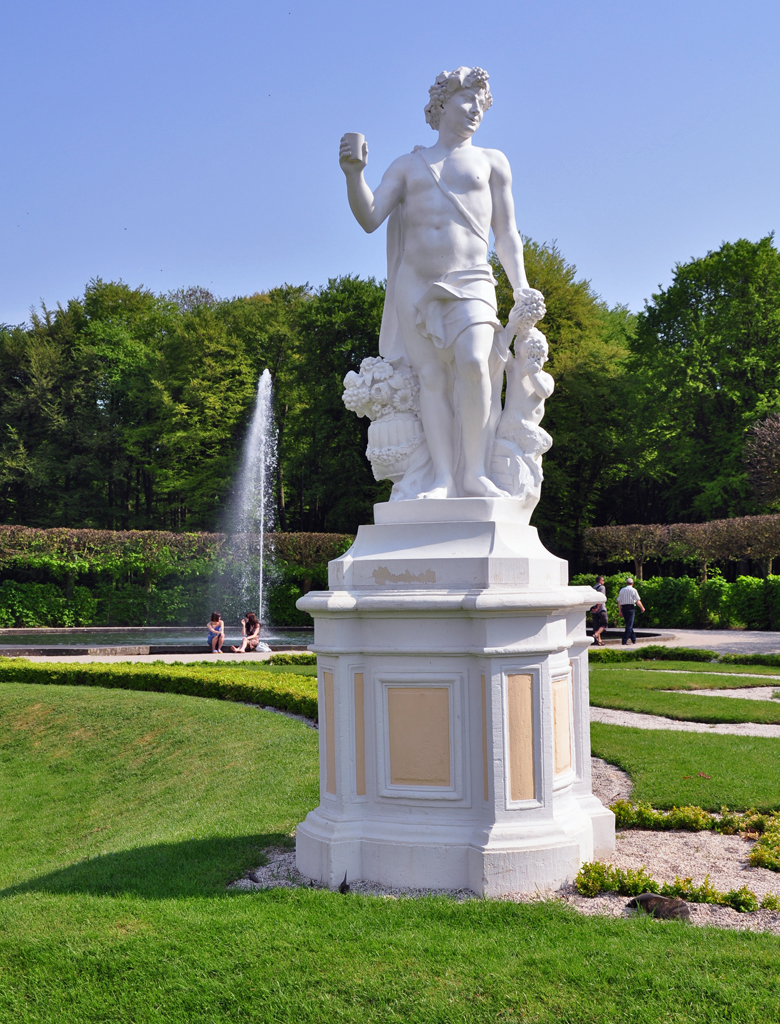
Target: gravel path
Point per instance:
(702, 914)
(608, 782)
(609, 716)
(748, 693)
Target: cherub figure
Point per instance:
(528, 386)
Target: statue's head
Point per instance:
(534, 348)
(450, 82)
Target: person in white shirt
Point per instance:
(628, 602)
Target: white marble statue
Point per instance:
(440, 329)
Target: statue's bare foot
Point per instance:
(481, 487)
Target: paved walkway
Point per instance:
(721, 641)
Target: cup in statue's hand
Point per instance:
(355, 141)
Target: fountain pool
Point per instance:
(159, 639)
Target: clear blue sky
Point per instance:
(172, 143)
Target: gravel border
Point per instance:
(663, 854)
(609, 716)
(280, 872)
(609, 783)
(743, 693)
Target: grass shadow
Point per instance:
(197, 867)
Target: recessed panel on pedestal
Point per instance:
(360, 736)
(330, 733)
(420, 748)
(418, 721)
(561, 725)
(520, 736)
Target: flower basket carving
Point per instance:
(388, 395)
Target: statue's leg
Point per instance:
(431, 368)
(472, 350)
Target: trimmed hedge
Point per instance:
(693, 819)
(153, 578)
(44, 604)
(302, 658)
(653, 652)
(287, 691)
(748, 603)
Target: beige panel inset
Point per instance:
(360, 737)
(520, 708)
(484, 740)
(561, 724)
(419, 731)
(330, 734)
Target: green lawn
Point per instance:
(642, 690)
(727, 668)
(665, 767)
(123, 814)
(144, 779)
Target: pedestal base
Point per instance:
(449, 857)
(453, 696)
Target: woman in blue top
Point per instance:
(216, 636)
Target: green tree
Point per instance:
(589, 346)
(324, 451)
(707, 350)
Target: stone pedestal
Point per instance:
(453, 702)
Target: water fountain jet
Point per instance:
(253, 515)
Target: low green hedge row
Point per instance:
(691, 819)
(594, 878)
(766, 852)
(293, 658)
(654, 652)
(287, 691)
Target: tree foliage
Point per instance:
(720, 540)
(707, 358)
(126, 410)
(589, 346)
(762, 459)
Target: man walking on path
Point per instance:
(628, 599)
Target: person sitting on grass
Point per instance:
(250, 631)
(216, 635)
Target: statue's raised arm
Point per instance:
(443, 346)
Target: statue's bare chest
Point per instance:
(467, 175)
